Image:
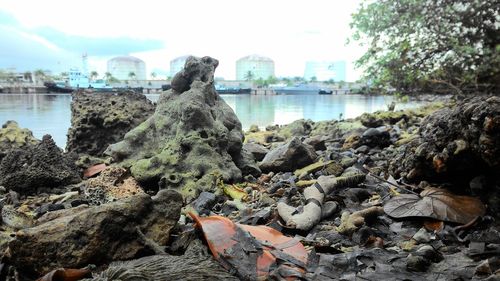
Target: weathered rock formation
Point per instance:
(192, 136)
(98, 120)
(11, 136)
(455, 143)
(41, 165)
(97, 235)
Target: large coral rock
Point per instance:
(288, 157)
(97, 235)
(454, 144)
(41, 165)
(98, 120)
(192, 136)
(11, 136)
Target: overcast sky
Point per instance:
(54, 33)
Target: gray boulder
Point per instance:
(97, 235)
(288, 157)
(258, 151)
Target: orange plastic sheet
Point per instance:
(269, 250)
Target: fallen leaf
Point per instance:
(255, 252)
(434, 225)
(94, 170)
(66, 274)
(235, 192)
(437, 204)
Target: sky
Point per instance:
(53, 34)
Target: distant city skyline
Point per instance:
(49, 35)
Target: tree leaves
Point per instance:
(415, 44)
(437, 204)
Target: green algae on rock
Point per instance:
(11, 136)
(192, 135)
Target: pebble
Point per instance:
(417, 263)
(422, 236)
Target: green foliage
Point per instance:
(131, 75)
(93, 75)
(430, 45)
(249, 76)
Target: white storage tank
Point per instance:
(259, 66)
(120, 68)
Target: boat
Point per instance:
(80, 80)
(300, 89)
(57, 87)
(222, 90)
(325, 92)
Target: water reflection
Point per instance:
(51, 113)
(41, 113)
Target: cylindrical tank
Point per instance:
(258, 66)
(121, 67)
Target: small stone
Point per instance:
(78, 202)
(254, 128)
(422, 236)
(329, 208)
(417, 263)
(363, 149)
(266, 200)
(48, 208)
(428, 252)
(204, 203)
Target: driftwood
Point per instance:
(315, 195)
(195, 264)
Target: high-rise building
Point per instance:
(258, 66)
(325, 70)
(177, 65)
(121, 68)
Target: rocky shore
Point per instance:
(177, 191)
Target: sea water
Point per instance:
(51, 113)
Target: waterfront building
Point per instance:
(177, 64)
(120, 68)
(325, 70)
(259, 66)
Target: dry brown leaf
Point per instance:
(434, 225)
(437, 204)
(66, 274)
(94, 170)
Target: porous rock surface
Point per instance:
(98, 120)
(41, 165)
(454, 143)
(97, 235)
(192, 136)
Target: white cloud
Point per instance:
(290, 32)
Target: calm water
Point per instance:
(51, 113)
